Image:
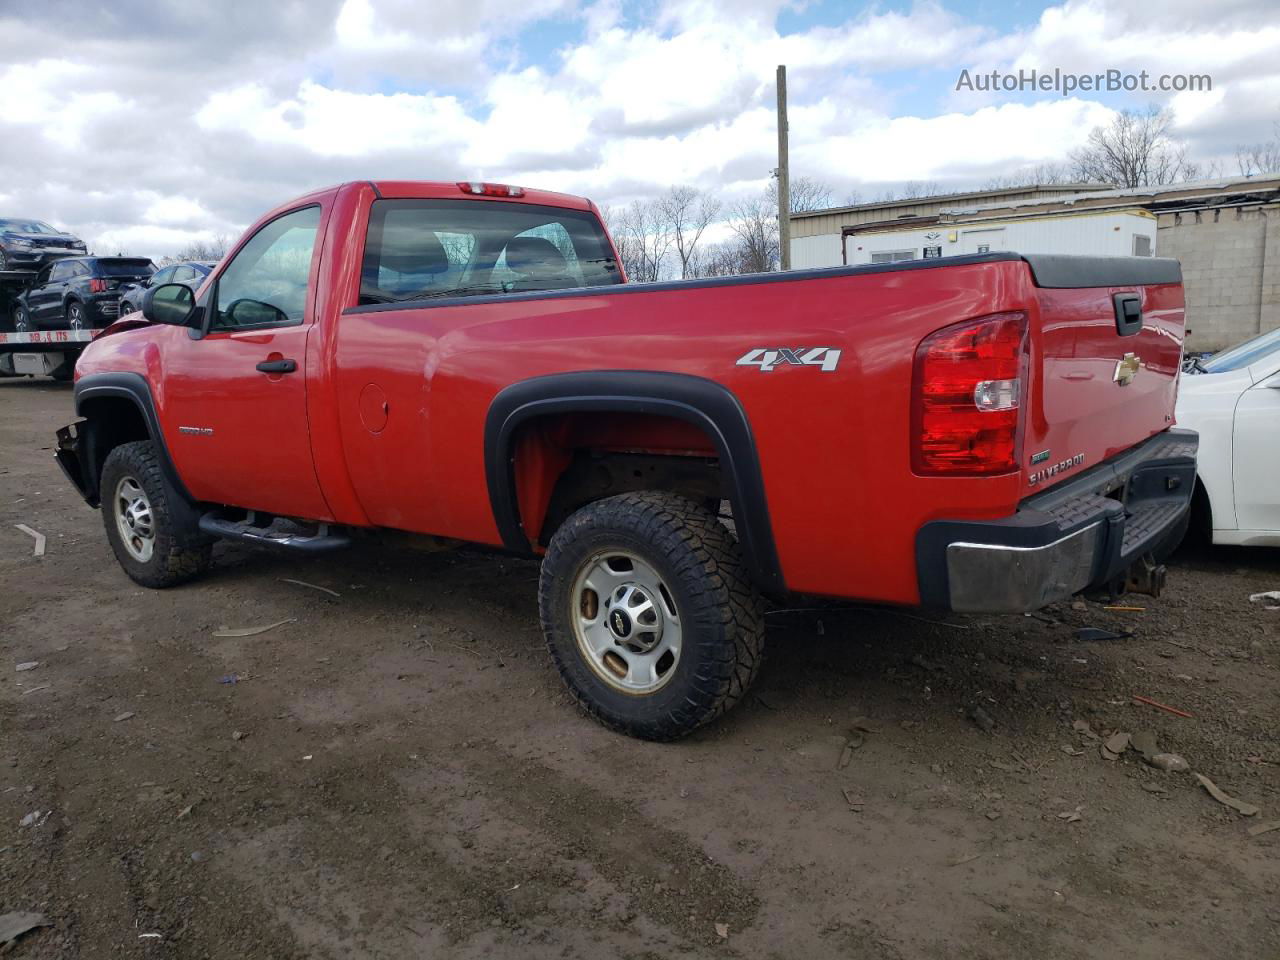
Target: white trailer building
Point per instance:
(1120, 234)
(1226, 234)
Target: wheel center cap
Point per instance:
(619, 623)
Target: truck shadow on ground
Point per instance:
(823, 658)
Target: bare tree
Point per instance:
(717, 260)
(754, 224)
(1134, 150)
(643, 238)
(1256, 158)
(687, 213)
(806, 194)
(911, 190)
(214, 249)
(919, 189)
(1040, 175)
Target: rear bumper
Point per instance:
(1082, 534)
(103, 308)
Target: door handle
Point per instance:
(278, 366)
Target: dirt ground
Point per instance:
(397, 771)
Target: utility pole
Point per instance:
(784, 174)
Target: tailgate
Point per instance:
(1103, 377)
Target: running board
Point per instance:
(277, 533)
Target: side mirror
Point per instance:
(171, 303)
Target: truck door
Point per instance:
(234, 410)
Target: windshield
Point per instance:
(1244, 354)
(125, 268)
(27, 226)
(423, 249)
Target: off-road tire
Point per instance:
(720, 610)
(181, 551)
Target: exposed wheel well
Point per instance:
(683, 426)
(562, 462)
(109, 422)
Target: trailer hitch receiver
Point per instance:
(1146, 576)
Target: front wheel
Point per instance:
(22, 320)
(649, 615)
(152, 530)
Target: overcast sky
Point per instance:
(140, 124)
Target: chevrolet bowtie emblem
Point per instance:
(1127, 368)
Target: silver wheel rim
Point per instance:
(76, 320)
(626, 622)
(20, 322)
(134, 519)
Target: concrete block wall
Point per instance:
(1269, 294)
(1230, 270)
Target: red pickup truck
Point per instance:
(466, 361)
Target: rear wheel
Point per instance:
(152, 530)
(21, 320)
(125, 307)
(649, 614)
(75, 316)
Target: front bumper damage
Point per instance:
(71, 455)
(1097, 531)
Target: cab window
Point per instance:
(424, 249)
(265, 284)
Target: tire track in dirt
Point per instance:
(662, 873)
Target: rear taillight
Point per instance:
(967, 397)
(490, 189)
(97, 285)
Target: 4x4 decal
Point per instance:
(766, 358)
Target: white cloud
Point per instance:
(176, 212)
(337, 122)
(145, 138)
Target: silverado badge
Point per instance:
(1127, 368)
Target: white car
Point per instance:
(1233, 400)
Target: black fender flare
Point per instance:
(696, 400)
(132, 387)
